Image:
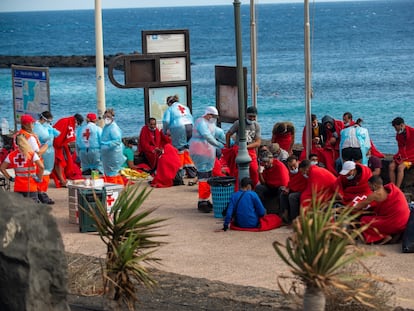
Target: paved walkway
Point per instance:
(242, 258)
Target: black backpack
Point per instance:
(408, 237)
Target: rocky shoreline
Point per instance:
(6, 61)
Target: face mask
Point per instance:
(294, 171)
(134, 148)
(152, 129)
(306, 175)
(107, 121)
(314, 162)
(401, 131)
(350, 177)
(249, 122)
(346, 124)
(212, 120)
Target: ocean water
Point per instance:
(362, 59)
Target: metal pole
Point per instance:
(243, 159)
(253, 52)
(308, 82)
(100, 78)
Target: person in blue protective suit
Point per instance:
(354, 144)
(203, 144)
(177, 122)
(111, 149)
(46, 134)
(88, 144)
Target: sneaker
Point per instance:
(205, 207)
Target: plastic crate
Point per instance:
(222, 189)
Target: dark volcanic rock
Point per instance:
(51, 61)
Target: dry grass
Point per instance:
(84, 275)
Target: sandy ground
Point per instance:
(241, 258)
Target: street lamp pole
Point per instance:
(243, 159)
(308, 80)
(100, 81)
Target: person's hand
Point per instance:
(261, 169)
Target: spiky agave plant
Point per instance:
(322, 244)
(129, 235)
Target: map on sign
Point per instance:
(158, 99)
(30, 91)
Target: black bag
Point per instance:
(408, 237)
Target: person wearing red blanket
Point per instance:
(404, 157)
(390, 212)
(352, 183)
(151, 142)
(283, 133)
(65, 166)
(317, 139)
(169, 164)
(320, 181)
(331, 133)
(274, 178)
(290, 196)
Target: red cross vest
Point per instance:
(24, 169)
(27, 135)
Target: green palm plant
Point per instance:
(322, 245)
(129, 234)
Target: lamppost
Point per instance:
(100, 81)
(243, 159)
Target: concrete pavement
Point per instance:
(242, 258)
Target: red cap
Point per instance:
(91, 116)
(26, 119)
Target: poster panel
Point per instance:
(165, 43)
(173, 69)
(157, 98)
(31, 93)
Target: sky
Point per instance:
(46, 5)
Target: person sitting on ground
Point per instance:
(27, 166)
(404, 157)
(320, 183)
(390, 212)
(283, 133)
(274, 178)
(352, 183)
(129, 152)
(245, 207)
(88, 141)
(314, 159)
(151, 143)
(290, 196)
(374, 163)
(278, 152)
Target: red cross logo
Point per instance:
(19, 160)
(86, 134)
(181, 108)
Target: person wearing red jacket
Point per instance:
(283, 133)
(320, 183)
(151, 142)
(274, 178)
(404, 157)
(352, 183)
(64, 164)
(290, 196)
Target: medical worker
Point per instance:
(46, 134)
(88, 145)
(206, 138)
(111, 149)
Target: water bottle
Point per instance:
(4, 126)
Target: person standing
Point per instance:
(404, 157)
(151, 142)
(203, 144)
(177, 122)
(27, 166)
(88, 143)
(111, 149)
(46, 134)
(253, 140)
(65, 166)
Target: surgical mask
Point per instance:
(249, 122)
(401, 131)
(212, 120)
(294, 171)
(350, 177)
(152, 129)
(306, 175)
(314, 163)
(134, 148)
(347, 123)
(107, 121)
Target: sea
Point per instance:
(362, 59)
